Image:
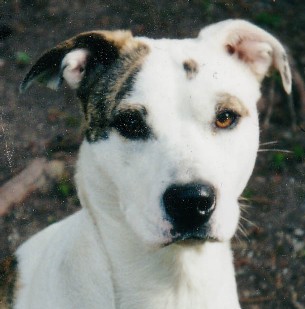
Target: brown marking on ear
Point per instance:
(240, 51)
(117, 39)
(120, 38)
(230, 102)
(230, 49)
(8, 282)
(191, 68)
(103, 47)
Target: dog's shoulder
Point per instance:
(67, 258)
(8, 281)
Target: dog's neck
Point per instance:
(176, 276)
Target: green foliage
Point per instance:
(278, 161)
(248, 193)
(65, 187)
(268, 19)
(299, 152)
(22, 58)
(72, 122)
(280, 250)
(206, 5)
(51, 219)
(276, 77)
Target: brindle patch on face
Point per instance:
(108, 88)
(8, 278)
(191, 68)
(229, 102)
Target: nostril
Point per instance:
(190, 204)
(205, 200)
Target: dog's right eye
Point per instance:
(131, 124)
(226, 119)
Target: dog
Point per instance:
(171, 139)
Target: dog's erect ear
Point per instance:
(257, 48)
(72, 58)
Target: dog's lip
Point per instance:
(190, 240)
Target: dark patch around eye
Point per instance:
(131, 125)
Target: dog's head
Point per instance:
(173, 124)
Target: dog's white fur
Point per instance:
(110, 254)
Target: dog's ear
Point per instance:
(71, 59)
(257, 48)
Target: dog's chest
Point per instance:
(179, 297)
(178, 282)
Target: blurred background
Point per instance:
(40, 131)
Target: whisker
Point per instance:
(268, 143)
(236, 236)
(245, 202)
(249, 221)
(244, 208)
(274, 150)
(242, 230)
(243, 198)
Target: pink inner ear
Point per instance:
(256, 54)
(74, 65)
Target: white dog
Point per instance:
(171, 140)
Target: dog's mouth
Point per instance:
(191, 238)
(190, 242)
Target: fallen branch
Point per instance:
(35, 176)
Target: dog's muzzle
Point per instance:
(189, 207)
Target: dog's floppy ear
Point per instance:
(257, 48)
(72, 58)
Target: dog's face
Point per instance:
(172, 123)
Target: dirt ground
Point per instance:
(269, 249)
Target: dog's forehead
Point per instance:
(190, 70)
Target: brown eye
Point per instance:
(226, 119)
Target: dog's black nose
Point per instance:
(189, 206)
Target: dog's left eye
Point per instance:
(226, 119)
(131, 125)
